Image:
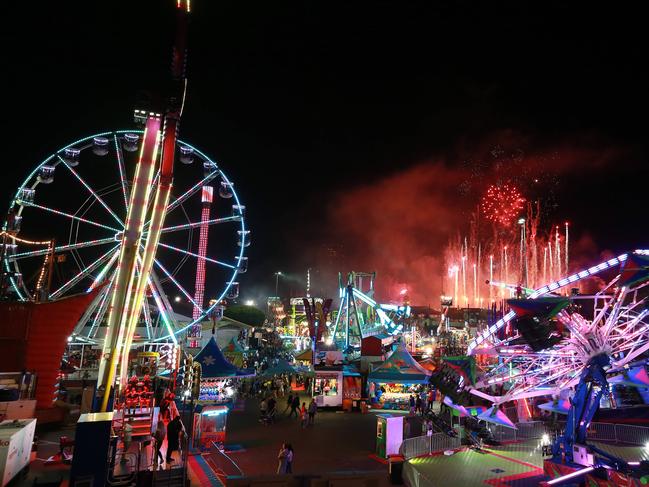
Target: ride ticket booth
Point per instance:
(210, 426)
(389, 434)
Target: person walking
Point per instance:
(174, 429)
(313, 408)
(127, 439)
(419, 405)
(412, 404)
(159, 437)
(289, 402)
(294, 406)
(289, 458)
(281, 457)
(263, 407)
(303, 415)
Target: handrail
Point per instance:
(222, 452)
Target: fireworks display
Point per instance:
(502, 204)
(489, 264)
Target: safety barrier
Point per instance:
(636, 435)
(618, 433)
(425, 445)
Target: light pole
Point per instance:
(277, 274)
(523, 258)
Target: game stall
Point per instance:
(209, 426)
(218, 376)
(391, 384)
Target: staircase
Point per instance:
(174, 477)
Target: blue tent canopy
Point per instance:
(282, 367)
(214, 365)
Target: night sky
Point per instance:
(311, 107)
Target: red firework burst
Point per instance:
(502, 203)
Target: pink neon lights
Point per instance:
(199, 291)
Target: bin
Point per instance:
(347, 405)
(395, 469)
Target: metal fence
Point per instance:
(617, 433)
(425, 445)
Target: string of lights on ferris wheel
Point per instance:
(69, 156)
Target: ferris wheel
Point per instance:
(79, 197)
(610, 327)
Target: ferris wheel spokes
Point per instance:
(61, 248)
(73, 217)
(214, 221)
(198, 186)
(180, 288)
(84, 272)
(122, 171)
(192, 254)
(91, 191)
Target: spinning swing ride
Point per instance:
(606, 340)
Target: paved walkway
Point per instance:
(338, 442)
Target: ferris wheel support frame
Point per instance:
(127, 299)
(120, 304)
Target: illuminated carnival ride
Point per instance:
(579, 343)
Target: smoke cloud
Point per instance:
(400, 225)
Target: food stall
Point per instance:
(391, 383)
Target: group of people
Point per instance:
(305, 414)
(285, 458)
(422, 402)
(172, 432)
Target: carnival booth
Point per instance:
(392, 383)
(209, 426)
(305, 357)
(352, 387)
(218, 376)
(327, 387)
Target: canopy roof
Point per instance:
(214, 365)
(282, 367)
(400, 367)
(306, 355)
(232, 347)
